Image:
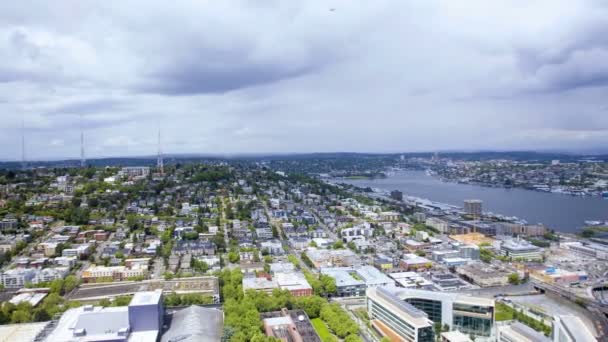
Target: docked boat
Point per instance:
(593, 223)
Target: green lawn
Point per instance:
(321, 329)
(503, 312)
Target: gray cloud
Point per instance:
(274, 76)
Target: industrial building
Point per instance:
(484, 275)
(142, 320)
(195, 323)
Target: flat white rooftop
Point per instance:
(20, 332)
(146, 298)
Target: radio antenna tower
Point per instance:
(82, 159)
(23, 162)
(159, 162)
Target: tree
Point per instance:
(353, 338)
(21, 316)
(70, 283)
(351, 245)
(312, 305)
(329, 284)
(514, 279)
(233, 257)
(339, 244)
(437, 328)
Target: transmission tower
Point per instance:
(159, 162)
(23, 162)
(83, 161)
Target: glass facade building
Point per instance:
(431, 307)
(402, 319)
(473, 319)
(467, 314)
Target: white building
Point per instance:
(18, 277)
(50, 274)
(518, 332)
(569, 328)
(439, 224)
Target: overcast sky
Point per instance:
(261, 76)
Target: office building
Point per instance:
(438, 224)
(419, 217)
(454, 336)
(135, 171)
(346, 284)
(397, 195)
(467, 314)
(396, 319)
(569, 328)
(473, 207)
(520, 250)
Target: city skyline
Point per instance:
(259, 78)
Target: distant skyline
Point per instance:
(259, 77)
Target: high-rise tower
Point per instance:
(159, 162)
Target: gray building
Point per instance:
(473, 207)
(195, 323)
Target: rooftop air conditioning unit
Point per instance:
(79, 332)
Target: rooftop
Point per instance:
(21, 332)
(146, 298)
(195, 323)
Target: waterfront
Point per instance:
(560, 212)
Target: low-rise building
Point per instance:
(484, 275)
(17, 277)
(438, 224)
(520, 250)
(329, 258)
(142, 320)
(274, 247)
(414, 262)
(259, 284)
(518, 332)
(113, 273)
(294, 282)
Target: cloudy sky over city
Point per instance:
(264, 76)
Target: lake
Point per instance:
(560, 212)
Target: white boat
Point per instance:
(593, 223)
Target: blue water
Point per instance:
(560, 212)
